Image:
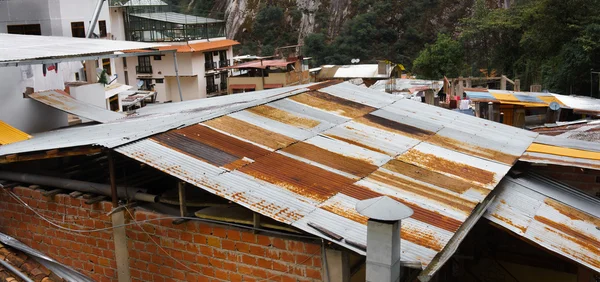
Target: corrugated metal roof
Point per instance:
(562, 151)
(9, 134)
(308, 158)
(178, 18)
(62, 101)
(551, 215)
(14, 47)
(149, 121)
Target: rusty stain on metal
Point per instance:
(509, 222)
(395, 127)
(356, 143)
(432, 177)
(56, 98)
(461, 170)
(347, 164)
(195, 149)
(301, 178)
(237, 164)
(332, 103)
(413, 187)
(223, 142)
(571, 212)
(421, 238)
(470, 149)
(578, 254)
(325, 84)
(250, 132)
(283, 116)
(585, 241)
(349, 213)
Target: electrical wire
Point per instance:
(158, 245)
(138, 223)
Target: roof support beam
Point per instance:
(50, 154)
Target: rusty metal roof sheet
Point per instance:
(149, 122)
(306, 159)
(62, 101)
(554, 216)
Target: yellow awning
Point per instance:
(562, 151)
(9, 134)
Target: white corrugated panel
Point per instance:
(30, 47)
(62, 101)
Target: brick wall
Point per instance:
(192, 251)
(586, 180)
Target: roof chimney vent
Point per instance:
(383, 237)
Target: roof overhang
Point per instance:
(20, 50)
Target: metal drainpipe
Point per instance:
(83, 186)
(15, 271)
(383, 237)
(177, 74)
(95, 17)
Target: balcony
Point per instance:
(210, 66)
(143, 69)
(223, 86)
(223, 64)
(212, 88)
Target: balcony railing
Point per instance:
(210, 66)
(143, 69)
(223, 64)
(223, 86)
(212, 88)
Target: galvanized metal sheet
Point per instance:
(332, 150)
(541, 158)
(568, 143)
(125, 131)
(14, 47)
(549, 215)
(60, 100)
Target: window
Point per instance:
(126, 78)
(157, 57)
(106, 66)
(124, 62)
(144, 65)
(102, 27)
(210, 84)
(27, 29)
(146, 84)
(208, 61)
(159, 80)
(78, 29)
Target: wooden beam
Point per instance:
(50, 154)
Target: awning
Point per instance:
(16, 50)
(242, 86)
(270, 86)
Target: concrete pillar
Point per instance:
(491, 111)
(460, 87)
(121, 252)
(338, 265)
(517, 85)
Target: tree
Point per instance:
(445, 57)
(103, 78)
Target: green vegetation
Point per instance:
(445, 57)
(554, 43)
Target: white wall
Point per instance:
(81, 11)
(23, 113)
(117, 23)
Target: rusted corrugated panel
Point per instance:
(328, 151)
(330, 103)
(541, 158)
(60, 100)
(553, 216)
(196, 149)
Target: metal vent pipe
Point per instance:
(383, 237)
